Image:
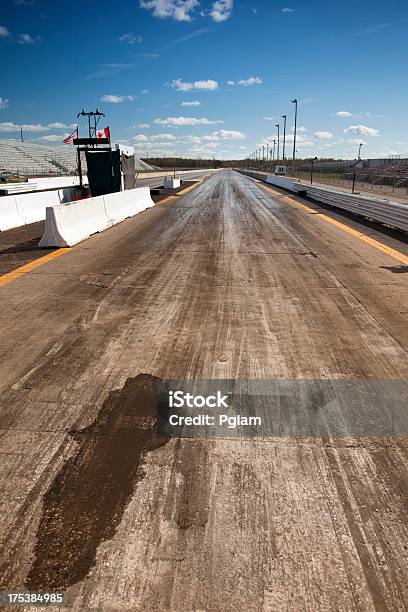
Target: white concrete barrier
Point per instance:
(171, 183)
(31, 206)
(281, 181)
(125, 204)
(67, 224)
(9, 215)
(70, 223)
(25, 208)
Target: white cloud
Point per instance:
(192, 103)
(115, 99)
(143, 125)
(356, 141)
(4, 103)
(180, 85)
(179, 10)
(8, 126)
(37, 127)
(361, 130)
(286, 9)
(230, 135)
(53, 137)
(4, 33)
(27, 39)
(344, 114)
(221, 10)
(269, 118)
(250, 81)
(246, 82)
(185, 121)
(218, 135)
(145, 91)
(156, 138)
(205, 148)
(57, 125)
(140, 138)
(370, 30)
(322, 135)
(301, 141)
(130, 38)
(163, 137)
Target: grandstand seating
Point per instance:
(26, 159)
(389, 168)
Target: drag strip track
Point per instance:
(227, 281)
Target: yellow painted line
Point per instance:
(345, 228)
(15, 274)
(174, 197)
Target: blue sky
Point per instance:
(209, 77)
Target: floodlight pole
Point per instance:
(295, 102)
(274, 148)
(359, 150)
(284, 137)
(96, 115)
(277, 125)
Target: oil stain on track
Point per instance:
(85, 503)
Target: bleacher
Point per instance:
(388, 168)
(26, 160)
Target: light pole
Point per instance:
(277, 158)
(284, 137)
(263, 152)
(274, 147)
(267, 152)
(359, 150)
(295, 102)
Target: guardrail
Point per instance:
(385, 211)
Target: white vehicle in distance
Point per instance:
(280, 170)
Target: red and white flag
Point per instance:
(103, 133)
(70, 139)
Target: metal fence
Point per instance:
(380, 184)
(354, 180)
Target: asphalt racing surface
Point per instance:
(232, 280)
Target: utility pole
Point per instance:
(295, 102)
(277, 158)
(284, 137)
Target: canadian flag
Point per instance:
(103, 133)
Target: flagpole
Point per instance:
(79, 164)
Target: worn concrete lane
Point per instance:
(228, 281)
